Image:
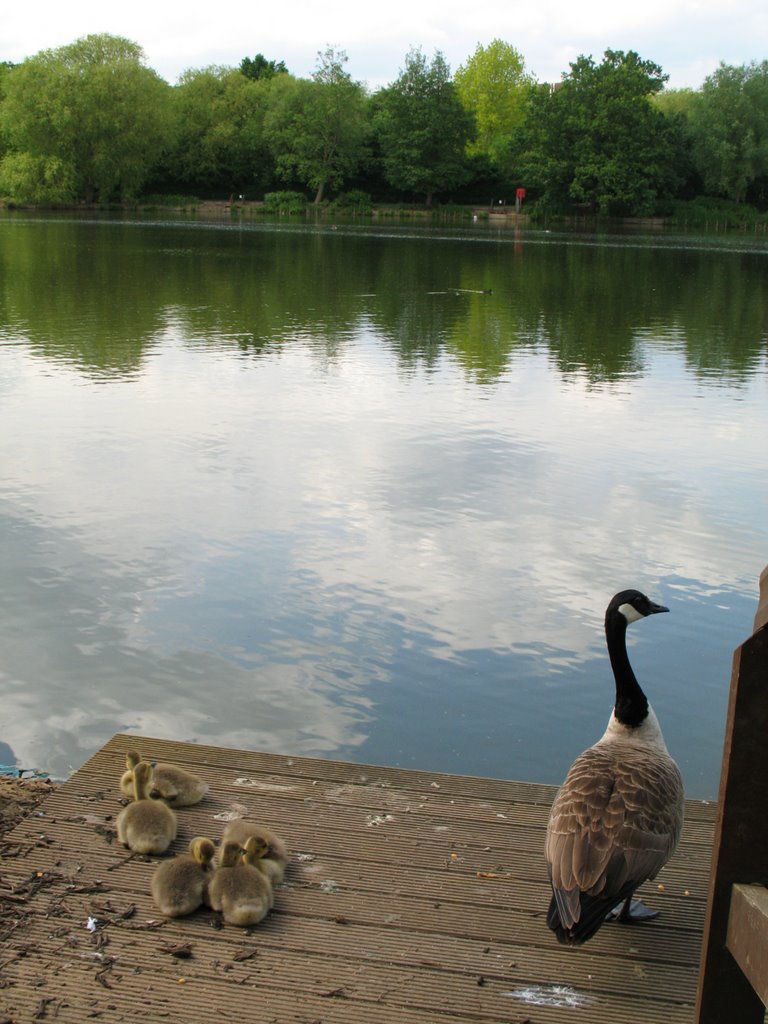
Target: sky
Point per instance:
(688, 38)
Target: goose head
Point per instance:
(631, 605)
(256, 847)
(203, 850)
(142, 780)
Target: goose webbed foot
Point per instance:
(631, 912)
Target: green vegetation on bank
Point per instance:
(90, 122)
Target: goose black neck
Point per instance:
(631, 706)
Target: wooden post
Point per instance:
(761, 619)
(741, 832)
(748, 935)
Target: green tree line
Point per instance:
(92, 122)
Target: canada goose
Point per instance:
(146, 825)
(239, 890)
(273, 860)
(180, 886)
(616, 819)
(175, 785)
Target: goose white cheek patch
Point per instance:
(630, 613)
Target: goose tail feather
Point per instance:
(593, 911)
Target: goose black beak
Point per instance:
(656, 608)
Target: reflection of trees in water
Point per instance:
(592, 307)
(98, 294)
(86, 294)
(723, 314)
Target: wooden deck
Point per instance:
(411, 897)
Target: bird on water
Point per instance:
(616, 819)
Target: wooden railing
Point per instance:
(733, 976)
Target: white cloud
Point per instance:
(688, 39)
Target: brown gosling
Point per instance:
(176, 786)
(146, 825)
(180, 886)
(239, 890)
(274, 860)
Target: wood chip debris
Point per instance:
(180, 950)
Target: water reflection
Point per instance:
(106, 651)
(325, 493)
(592, 306)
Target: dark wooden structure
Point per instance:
(411, 898)
(733, 977)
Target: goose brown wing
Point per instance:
(615, 820)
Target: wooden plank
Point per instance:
(747, 938)
(411, 897)
(741, 835)
(761, 618)
(283, 772)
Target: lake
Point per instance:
(364, 492)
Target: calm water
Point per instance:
(320, 492)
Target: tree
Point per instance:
(261, 68)
(676, 105)
(495, 87)
(6, 66)
(90, 115)
(36, 178)
(422, 128)
(597, 140)
(729, 125)
(5, 69)
(673, 102)
(316, 127)
(220, 143)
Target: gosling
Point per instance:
(180, 886)
(175, 785)
(274, 861)
(238, 889)
(146, 825)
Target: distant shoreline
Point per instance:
(500, 216)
